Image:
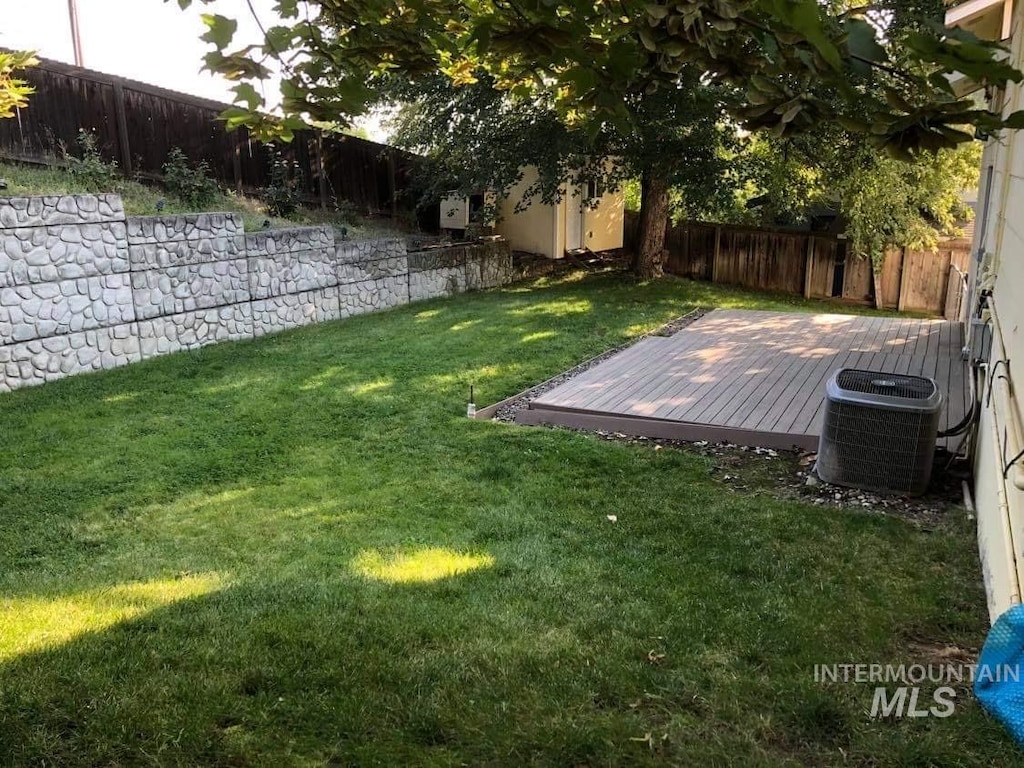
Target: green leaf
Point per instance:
(234, 117)
(804, 17)
(852, 124)
(1015, 121)
(219, 30)
(287, 9)
(895, 100)
(792, 112)
(862, 42)
(245, 92)
(658, 12)
(647, 39)
(279, 39)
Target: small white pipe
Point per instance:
(1004, 520)
(1001, 381)
(968, 501)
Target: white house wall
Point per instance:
(999, 502)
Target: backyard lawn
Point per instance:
(298, 551)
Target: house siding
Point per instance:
(1000, 239)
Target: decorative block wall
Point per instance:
(83, 287)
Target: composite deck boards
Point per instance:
(755, 377)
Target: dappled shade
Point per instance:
(299, 551)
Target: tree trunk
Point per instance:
(650, 248)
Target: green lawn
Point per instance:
(298, 551)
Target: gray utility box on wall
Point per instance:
(879, 431)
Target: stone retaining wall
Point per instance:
(83, 287)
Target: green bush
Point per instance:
(189, 181)
(282, 196)
(90, 172)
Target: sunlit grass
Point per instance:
(299, 551)
(38, 623)
(422, 565)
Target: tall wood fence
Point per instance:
(814, 266)
(138, 124)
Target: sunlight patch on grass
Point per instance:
(370, 387)
(427, 314)
(32, 624)
(465, 325)
(121, 397)
(232, 384)
(538, 336)
(475, 375)
(639, 329)
(562, 308)
(423, 565)
(318, 380)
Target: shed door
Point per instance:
(573, 219)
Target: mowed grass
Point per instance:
(298, 551)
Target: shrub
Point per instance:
(90, 172)
(282, 195)
(189, 181)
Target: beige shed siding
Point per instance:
(531, 230)
(541, 228)
(603, 226)
(1001, 534)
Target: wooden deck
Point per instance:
(752, 378)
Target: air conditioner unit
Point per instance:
(879, 431)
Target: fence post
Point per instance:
(392, 183)
(321, 169)
(718, 249)
(901, 301)
(236, 160)
(122, 129)
(808, 266)
(685, 242)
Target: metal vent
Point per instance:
(879, 431)
(890, 384)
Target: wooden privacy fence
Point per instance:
(138, 124)
(815, 266)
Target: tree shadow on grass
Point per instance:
(199, 518)
(353, 398)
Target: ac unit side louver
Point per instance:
(879, 431)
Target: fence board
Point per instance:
(889, 280)
(805, 264)
(857, 279)
(137, 125)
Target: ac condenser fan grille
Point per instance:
(879, 431)
(889, 384)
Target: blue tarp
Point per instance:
(999, 678)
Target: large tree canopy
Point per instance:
(476, 137)
(798, 61)
(614, 69)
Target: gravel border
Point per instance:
(507, 412)
(787, 475)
